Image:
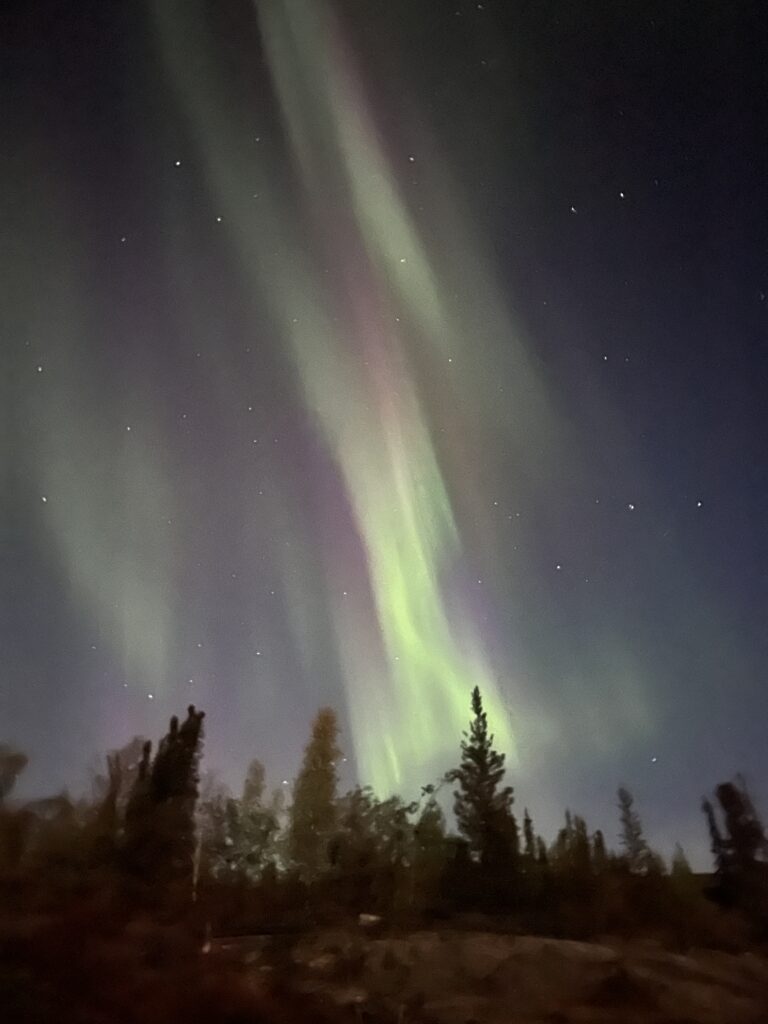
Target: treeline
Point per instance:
(156, 840)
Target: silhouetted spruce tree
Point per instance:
(680, 867)
(716, 842)
(106, 824)
(312, 816)
(571, 851)
(430, 856)
(542, 857)
(745, 842)
(636, 851)
(740, 851)
(562, 844)
(580, 853)
(529, 839)
(257, 823)
(599, 852)
(12, 764)
(159, 838)
(483, 808)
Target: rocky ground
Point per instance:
(458, 977)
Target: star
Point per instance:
(558, 567)
(574, 210)
(630, 507)
(177, 163)
(39, 367)
(43, 499)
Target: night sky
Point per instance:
(361, 352)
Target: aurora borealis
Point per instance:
(362, 353)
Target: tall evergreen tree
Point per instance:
(636, 850)
(745, 844)
(580, 851)
(740, 850)
(680, 867)
(255, 781)
(159, 841)
(312, 815)
(599, 852)
(12, 764)
(571, 851)
(529, 838)
(483, 807)
(716, 842)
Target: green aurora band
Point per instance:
(379, 432)
(367, 341)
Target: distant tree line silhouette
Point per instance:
(156, 838)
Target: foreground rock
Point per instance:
(453, 977)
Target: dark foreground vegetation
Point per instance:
(113, 909)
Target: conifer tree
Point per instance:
(716, 842)
(680, 866)
(740, 849)
(253, 787)
(106, 824)
(636, 850)
(312, 815)
(253, 825)
(159, 842)
(571, 851)
(430, 855)
(580, 853)
(745, 844)
(599, 852)
(529, 838)
(12, 763)
(481, 805)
